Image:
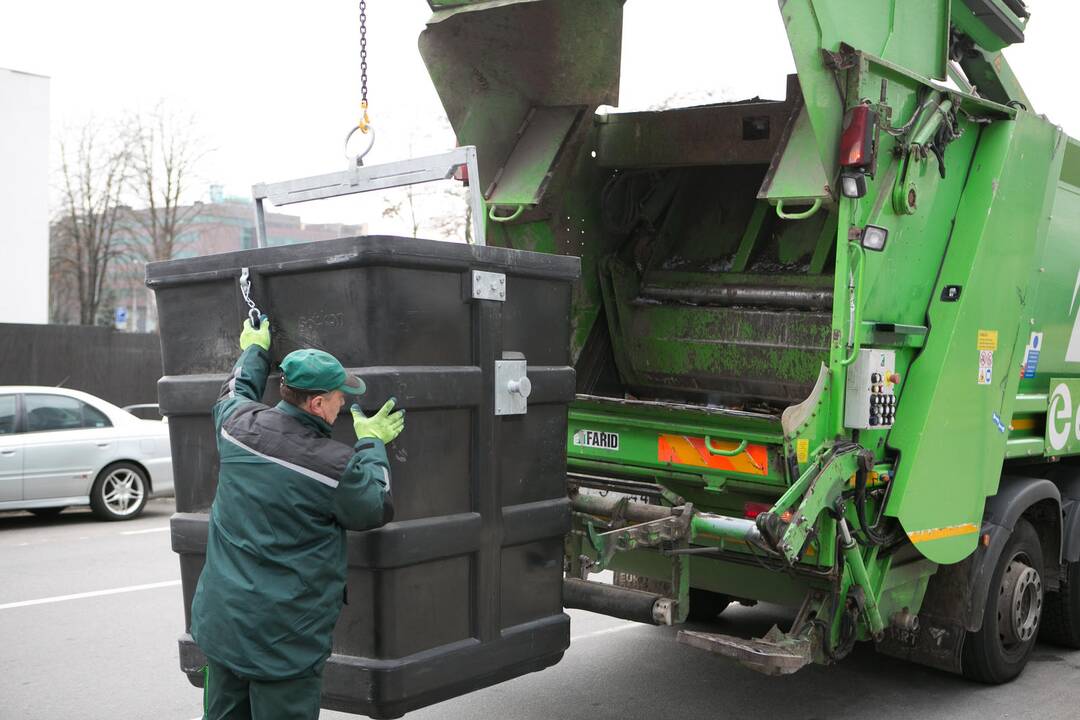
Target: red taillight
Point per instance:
(461, 172)
(857, 142)
(752, 509)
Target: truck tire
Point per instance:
(998, 652)
(1061, 611)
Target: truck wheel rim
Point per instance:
(1019, 604)
(122, 490)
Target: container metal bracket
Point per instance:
(512, 385)
(359, 179)
(488, 286)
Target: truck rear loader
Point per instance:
(826, 352)
(827, 347)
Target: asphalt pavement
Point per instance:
(90, 613)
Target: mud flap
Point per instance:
(936, 643)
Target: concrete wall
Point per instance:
(24, 197)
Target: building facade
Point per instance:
(24, 197)
(208, 228)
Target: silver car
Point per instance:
(62, 447)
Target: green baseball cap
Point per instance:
(310, 369)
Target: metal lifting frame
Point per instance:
(360, 179)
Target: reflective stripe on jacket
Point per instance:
(274, 579)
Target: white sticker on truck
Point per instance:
(597, 439)
(986, 367)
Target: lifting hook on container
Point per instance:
(254, 314)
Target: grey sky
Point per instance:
(275, 84)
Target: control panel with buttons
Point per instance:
(871, 390)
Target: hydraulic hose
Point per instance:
(871, 532)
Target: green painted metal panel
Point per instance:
(1025, 448)
(1052, 347)
(731, 353)
(671, 442)
(911, 33)
(990, 23)
(796, 174)
(521, 181)
(666, 285)
(1000, 231)
(493, 62)
(1028, 403)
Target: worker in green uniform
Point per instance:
(274, 579)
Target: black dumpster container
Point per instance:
(464, 588)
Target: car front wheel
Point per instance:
(120, 492)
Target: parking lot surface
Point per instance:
(90, 613)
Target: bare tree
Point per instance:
(86, 235)
(165, 153)
(454, 220)
(406, 209)
(442, 211)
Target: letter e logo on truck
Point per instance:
(1059, 417)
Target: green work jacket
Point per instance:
(274, 579)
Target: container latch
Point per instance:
(512, 385)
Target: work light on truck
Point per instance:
(853, 184)
(874, 238)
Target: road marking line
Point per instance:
(143, 532)
(605, 631)
(95, 593)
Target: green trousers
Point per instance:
(228, 696)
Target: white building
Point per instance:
(24, 197)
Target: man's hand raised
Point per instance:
(384, 425)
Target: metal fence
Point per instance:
(122, 368)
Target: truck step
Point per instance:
(774, 654)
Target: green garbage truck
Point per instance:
(827, 348)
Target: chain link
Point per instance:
(363, 51)
(245, 289)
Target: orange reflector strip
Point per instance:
(919, 536)
(1022, 424)
(691, 451)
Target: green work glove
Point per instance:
(256, 336)
(384, 425)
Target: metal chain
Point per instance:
(245, 290)
(363, 52)
(364, 124)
